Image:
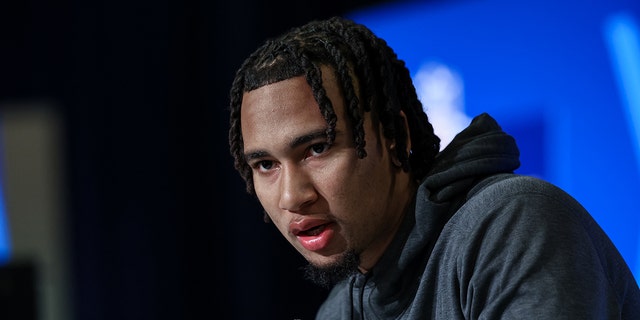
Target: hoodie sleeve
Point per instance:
(532, 252)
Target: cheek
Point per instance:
(361, 187)
(341, 183)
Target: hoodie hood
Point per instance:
(480, 150)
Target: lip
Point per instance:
(317, 240)
(297, 227)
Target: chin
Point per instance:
(333, 269)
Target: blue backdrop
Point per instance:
(563, 77)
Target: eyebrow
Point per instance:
(296, 142)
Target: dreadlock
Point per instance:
(362, 62)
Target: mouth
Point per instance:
(308, 227)
(313, 234)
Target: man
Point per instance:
(327, 131)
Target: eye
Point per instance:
(318, 149)
(263, 166)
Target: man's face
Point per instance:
(324, 200)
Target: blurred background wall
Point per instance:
(563, 77)
(119, 199)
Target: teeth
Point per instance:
(315, 230)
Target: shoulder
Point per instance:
(524, 212)
(519, 194)
(522, 234)
(533, 219)
(510, 185)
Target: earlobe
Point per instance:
(393, 153)
(396, 162)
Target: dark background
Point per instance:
(160, 226)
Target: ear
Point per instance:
(393, 153)
(392, 147)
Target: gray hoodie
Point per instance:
(484, 243)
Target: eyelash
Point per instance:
(312, 151)
(259, 165)
(325, 146)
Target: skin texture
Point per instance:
(300, 180)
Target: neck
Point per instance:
(404, 198)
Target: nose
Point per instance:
(296, 190)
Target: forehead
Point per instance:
(287, 99)
(280, 112)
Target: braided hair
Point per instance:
(369, 74)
